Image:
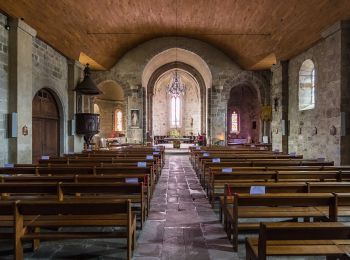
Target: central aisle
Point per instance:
(181, 223)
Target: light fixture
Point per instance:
(175, 87)
(87, 86)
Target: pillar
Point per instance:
(20, 96)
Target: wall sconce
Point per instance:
(25, 130)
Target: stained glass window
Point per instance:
(118, 120)
(175, 111)
(234, 122)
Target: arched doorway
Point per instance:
(243, 115)
(46, 125)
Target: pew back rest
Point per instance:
(81, 207)
(102, 188)
(285, 199)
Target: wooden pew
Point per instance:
(63, 191)
(341, 188)
(277, 205)
(131, 191)
(203, 175)
(217, 181)
(330, 239)
(226, 200)
(77, 213)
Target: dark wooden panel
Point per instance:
(45, 125)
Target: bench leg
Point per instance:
(19, 230)
(129, 245)
(249, 253)
(36, 242)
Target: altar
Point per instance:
(177, 141)
(180, 139)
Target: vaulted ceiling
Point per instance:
(253, 32)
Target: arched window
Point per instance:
(307, 78)
(118, 120)
(96, 109)
(175, 112)
(234, 122)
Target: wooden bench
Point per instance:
(63, 191)
(131, 191)
(277, 205)
(203, 175)
(330, 239)
(29, 217)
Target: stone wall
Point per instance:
(4, 93)
(304, 124)
(129, 70)
(345, 90)
(107, 109)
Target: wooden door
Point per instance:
(45, 125)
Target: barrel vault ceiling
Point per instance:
(254, 33)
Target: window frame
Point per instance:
(115, 121)
(177, 113)
(238, 122)
(307, 76)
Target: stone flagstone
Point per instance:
(181, 223)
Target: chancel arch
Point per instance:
(182, 113)
(196, 84)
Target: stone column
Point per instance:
(280, 92)
(344, 26)
(135, 101)
(21, 83)
(75, 142)
(285, 106)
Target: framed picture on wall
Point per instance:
(135, 118)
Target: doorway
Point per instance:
(46, 125)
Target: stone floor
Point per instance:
(181, 224)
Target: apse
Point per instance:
(111, 107)
(243, 115)
(182, 114)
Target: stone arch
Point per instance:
(219, 98)
(182, 56)
(111, 89)
(253, 79)
(113, 98)
(160, 71)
